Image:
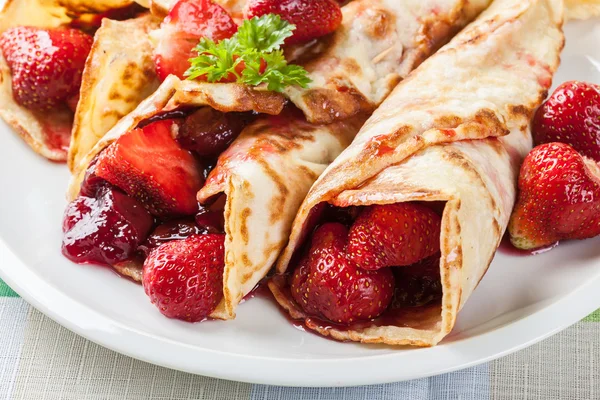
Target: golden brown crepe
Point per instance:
(118, 75)
(455, 131)
(268, 170)
(582, 9)
(378, 44)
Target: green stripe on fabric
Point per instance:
(5, 291)
(593, 317)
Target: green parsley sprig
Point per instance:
(257, 44)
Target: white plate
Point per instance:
(520, 301)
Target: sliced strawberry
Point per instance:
(394, 235)
(328, 285)
(46, 64)
(559, 198)
(149, 165)
(184, 278)
(313, 18)
(571, 115)
(179, 33)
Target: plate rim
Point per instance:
(116, 336)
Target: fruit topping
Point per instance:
(46, 64)
(571, 115)
(186, 23)
(252, 56)
(184, 278)
(394, 235)
(313, 18)
(418, 284)
(210, 221)
(171, 230)
(149, 165)
(559, 198)
(105, 229)
(208, 132)
(328, 285)
(91, 182)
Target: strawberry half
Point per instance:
(184, 278)
(150, 166)
(559, 198)
(394, 235)
(313, 18)
(179, 33)
(46, 64)
(328, 285)
(571, 115)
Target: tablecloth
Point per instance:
(39, 359)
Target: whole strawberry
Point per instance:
(46, 64)
(184, 278)
(313, 18)
(559, 198)
(571, 115)
(394, 235)
(328, 285)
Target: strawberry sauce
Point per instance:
(151, 184)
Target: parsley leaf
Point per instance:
(277, 73)
(264, 34)
(255, 50)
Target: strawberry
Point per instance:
(46, 64)
(328, 285)
(209, 132)
(106, 228)
(313, 18)
(150, 166)
(180, 31)
(394, 235)
(418, 284)
(559, 198)
(571, 115)
(184, 278)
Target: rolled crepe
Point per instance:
(455, 131)
(268, 169)
(119, 73)
(378, 44)
(582, 9)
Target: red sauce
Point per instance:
(261, 290)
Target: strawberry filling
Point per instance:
(364, 266)
(139, 195)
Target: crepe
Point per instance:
(378, 44)
(174, 94)
(265, 174)
(270, 167)
(118, 75)
(582, 9)
(455, 131)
